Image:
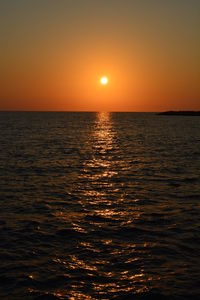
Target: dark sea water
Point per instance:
(99, 206)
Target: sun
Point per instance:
(104, 80)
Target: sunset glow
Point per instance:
(146, 52)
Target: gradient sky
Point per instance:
(53, 54)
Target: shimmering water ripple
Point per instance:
(99, 206)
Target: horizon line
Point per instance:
(94, 111)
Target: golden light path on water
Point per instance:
(102, 207)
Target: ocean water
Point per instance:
(99, 206)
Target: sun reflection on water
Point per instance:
(101, 219)
(100, 170)
(101, 165)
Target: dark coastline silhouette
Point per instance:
(179, 113)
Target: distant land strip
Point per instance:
(179, 113)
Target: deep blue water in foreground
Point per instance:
(99, 206)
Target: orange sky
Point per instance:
(54, 53)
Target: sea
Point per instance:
(99, 206)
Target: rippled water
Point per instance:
(99, 206)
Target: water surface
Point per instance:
(99, 206)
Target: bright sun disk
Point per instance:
(104, 80)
